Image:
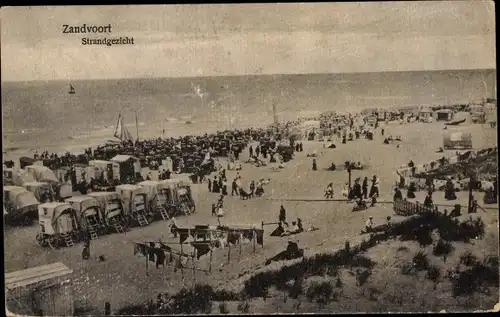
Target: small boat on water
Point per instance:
(188, 122)
(71, 90)
(455, 122)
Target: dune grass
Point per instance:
(475, 277)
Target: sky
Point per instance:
(248, 39)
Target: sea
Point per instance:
(39, 115)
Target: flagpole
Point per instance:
(136, 125)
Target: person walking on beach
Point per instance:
(374, 189)
(86, 248)
(356, 192)
(234, 188)
(250, 151)
(221, 184)
(257, 151)
(365, 187)
(428, 200)
(215, 185)
(282, 216)
(252, 188)
(224, 187)
(329, 191)
(315, 166)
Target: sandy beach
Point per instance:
(123, 279)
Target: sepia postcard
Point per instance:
(250, 158)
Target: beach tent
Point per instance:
(444, 115)
(42, 173)
(491, 112)
(457, 140)
(25, 161)
(368, 111)
(123, 158)
(16, 176)
(127, 165)
(309, 126)
(425, 115)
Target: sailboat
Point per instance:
(121, 131)
(71, 90)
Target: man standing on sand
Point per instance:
(282, 216)
(428, 203)
(238, 181)
(250, 151)
(356, 190)
(365, 187)
(374, 189)
(234, 188)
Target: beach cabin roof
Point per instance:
(37, 167)
(127, 187)
(36, 184)
(149, 183)
(14, 189)
(174, 182)
(42, 173)
(445, 111)
(103, 194)
(82, 203)
(35, 275)
(53, 205)
(120, 158)
(98, 162)
(53, 210)
(425, 110)
(79, 199)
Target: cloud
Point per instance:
(193, 40)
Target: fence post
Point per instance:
(194, 269)
(239, 241)
(210, 265)
(254, 238)
(180, 262)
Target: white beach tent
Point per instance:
(309, 126)
(491, 112)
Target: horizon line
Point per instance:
(243, 75)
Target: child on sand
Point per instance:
(369, 224)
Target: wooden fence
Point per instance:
(403, 207)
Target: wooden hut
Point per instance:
(45, 290)
(444, 115)
(426, 115)
(457, 140)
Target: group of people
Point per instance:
(358, 191)
(296, 226)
